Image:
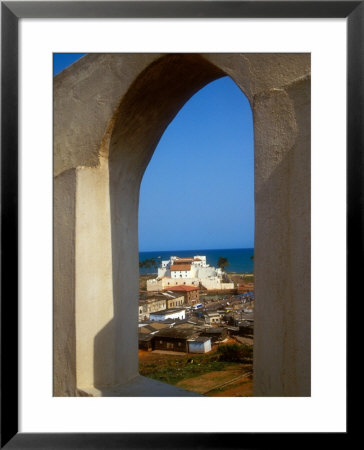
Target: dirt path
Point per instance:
(240, 389)
(232, 382)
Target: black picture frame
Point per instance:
(11, 12)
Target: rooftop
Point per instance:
(183, 288)
(176, 333)
(171, 295)
(181, 267)
(215, 330)
(155, 298)
(145, 337)
(212, 314)
(168, 311)
(199, 339)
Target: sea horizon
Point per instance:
(239, 258)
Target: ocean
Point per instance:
(239, 258)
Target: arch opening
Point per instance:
(146, 110)
(197, 198)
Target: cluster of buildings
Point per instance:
(186, 325)
(173, 317)
(172, 302)
(192, 271)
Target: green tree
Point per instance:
(235, 353)
(148, 264)
(222, 263)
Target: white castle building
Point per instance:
(188, 271)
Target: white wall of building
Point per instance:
(181, 314)
(180, 274)
(162, 272)
(199, 347)
(210, 277)
(202, 263)
(168, 282)
(213, 283)
(206, 272)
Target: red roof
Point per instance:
(181, 267)
(182, 288)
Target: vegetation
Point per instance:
(222, 263)
(249, 278)
(143, 281)
(179, 368)
(235, 353)
(148, 264)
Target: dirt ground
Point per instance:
(234, 381)
(248, 340)
(158, 357)
(239, 389)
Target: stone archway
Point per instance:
(110, 111)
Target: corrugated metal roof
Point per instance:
(176, 333)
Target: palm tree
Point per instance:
(222, 263)
(148, 264)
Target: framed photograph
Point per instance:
(275, 52)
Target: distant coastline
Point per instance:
(239, 258)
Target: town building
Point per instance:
(213, 318)
(145, 342)
(151, 305)
(216, 334)
(192, 271)
(173, 339)
(199, 344)
(159, 302)
(173, 300)
(151, 327)
(174, 313)
(191, 294)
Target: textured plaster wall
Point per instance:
(282, 244)
(110, 111)
(64, 292)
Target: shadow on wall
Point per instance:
(105, 370)
(104, 356)
(146, 110)
(108, 371)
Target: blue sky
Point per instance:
(63, 60)
(198, 190)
